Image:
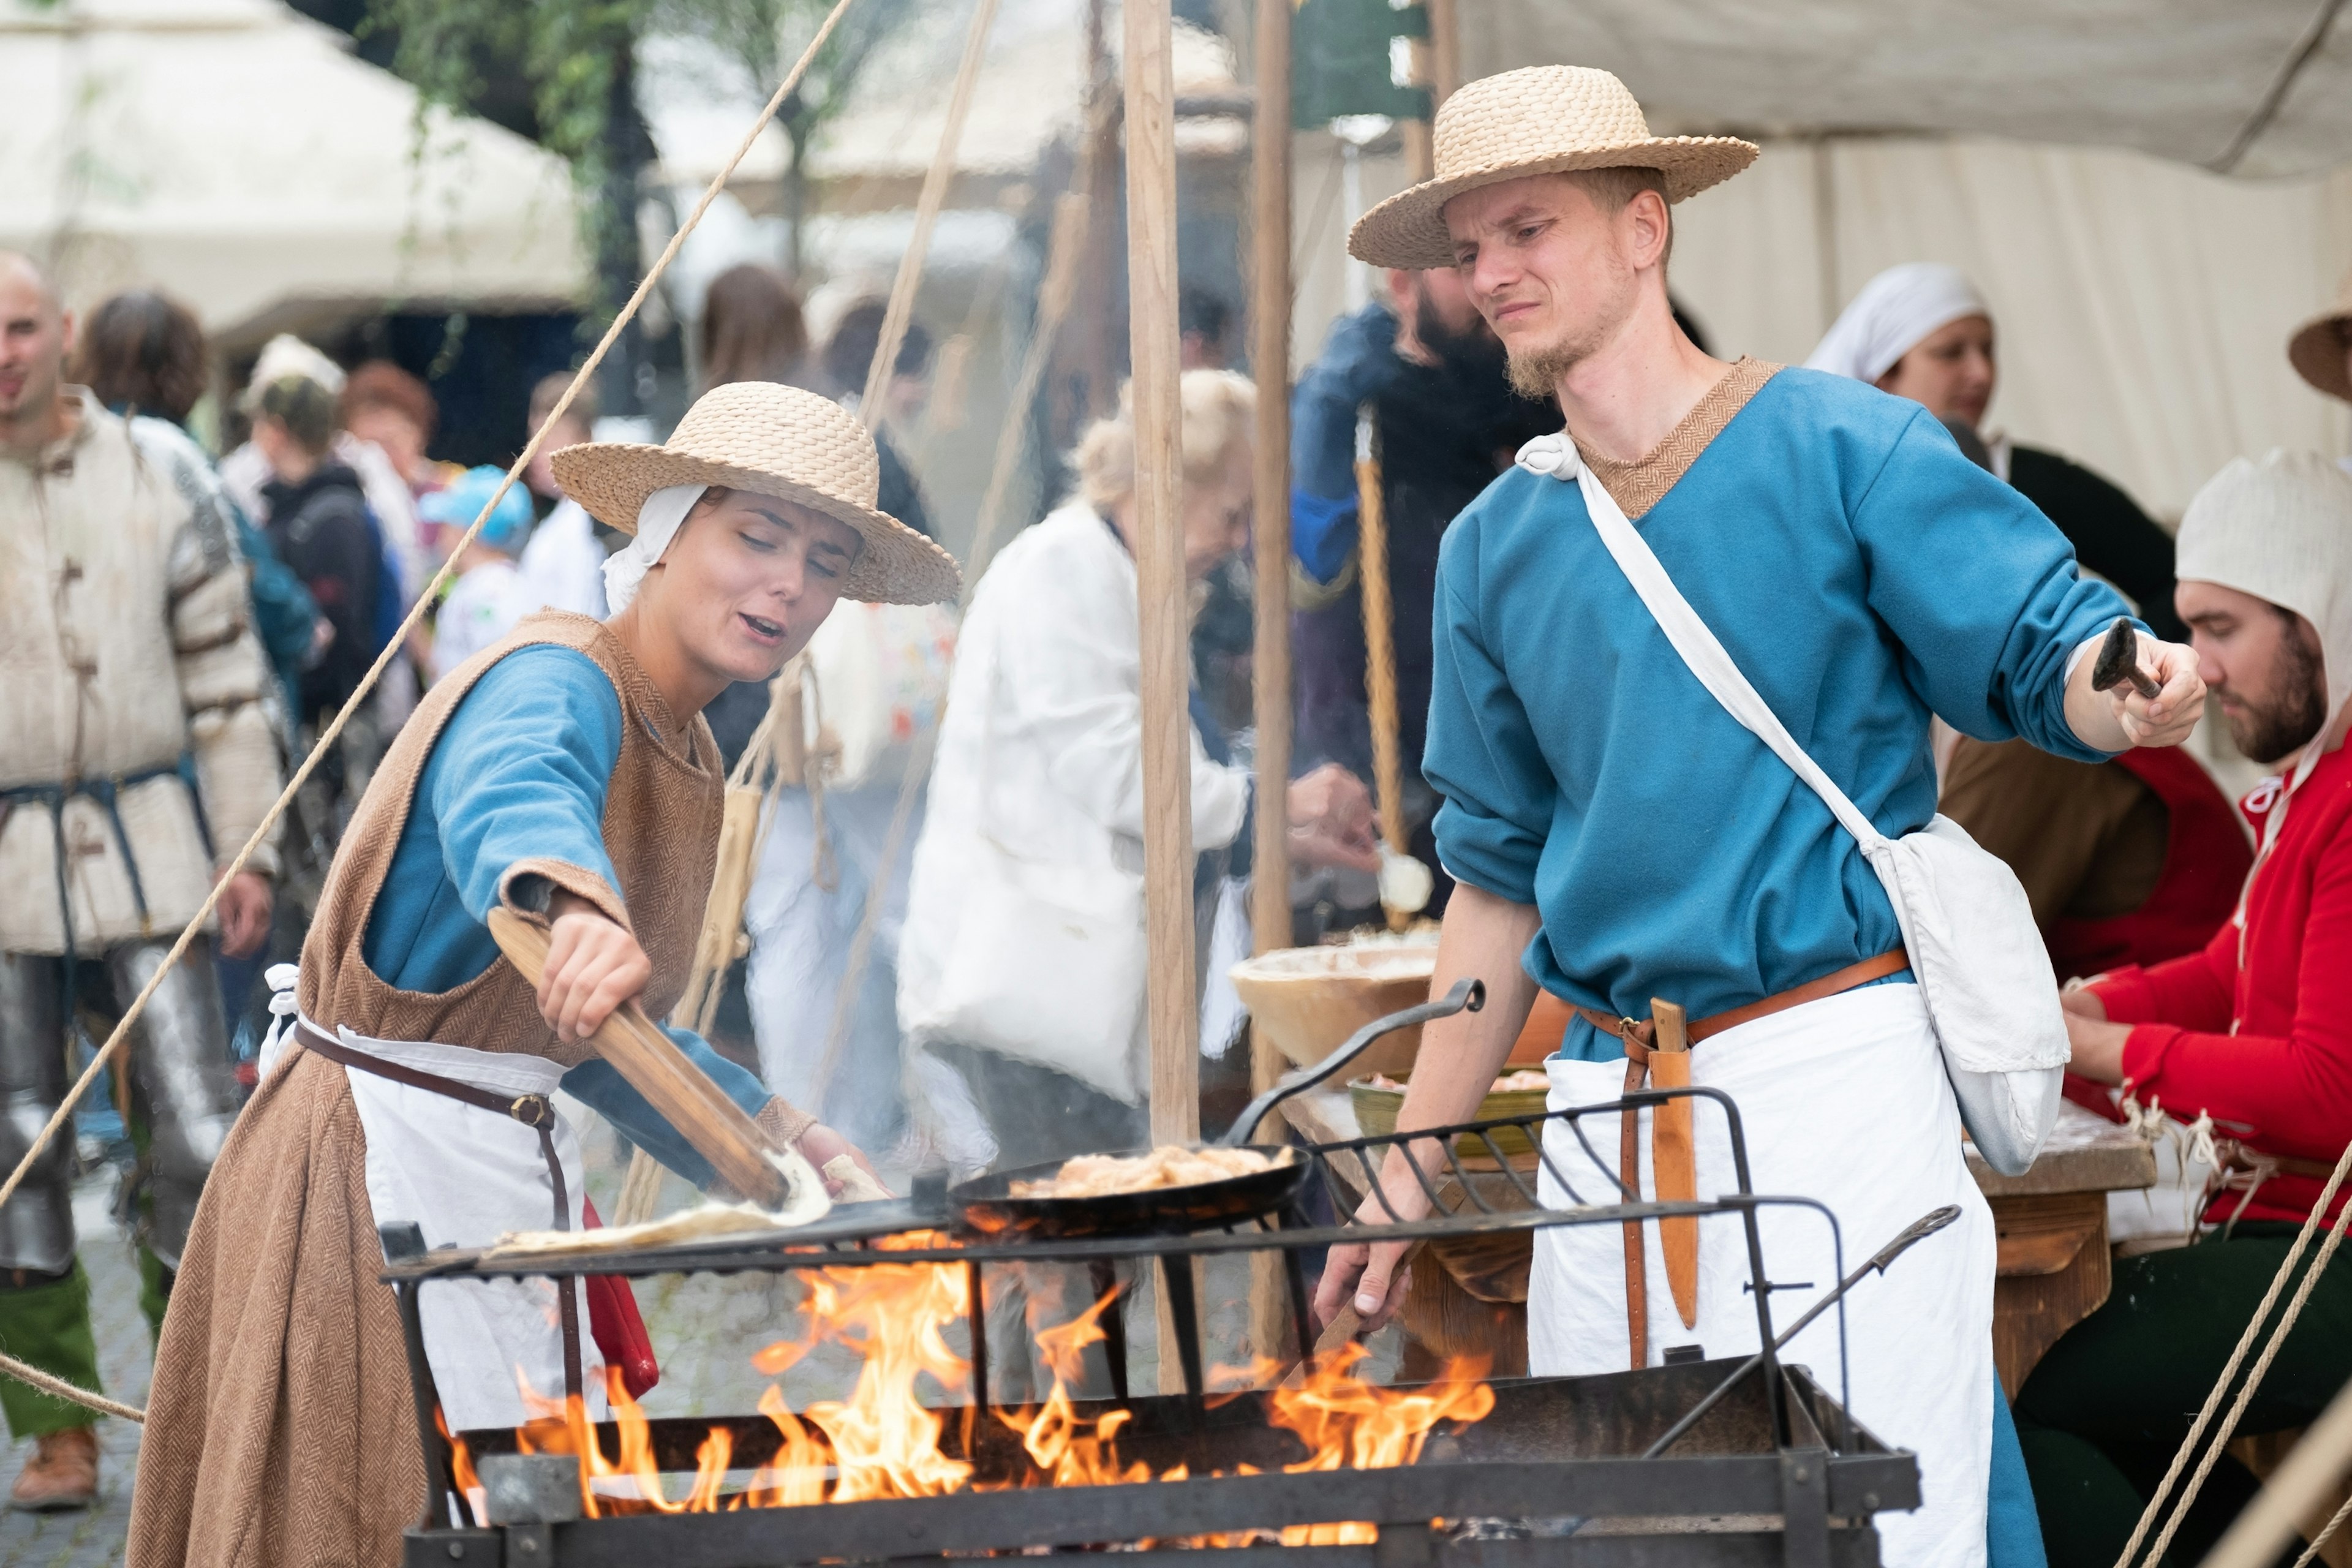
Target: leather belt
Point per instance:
(533, 1110)
(1673, 1151)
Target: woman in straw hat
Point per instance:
(1610, 820)
(565, 771)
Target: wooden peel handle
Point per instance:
(744, 1155)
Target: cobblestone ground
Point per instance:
(124, 1360)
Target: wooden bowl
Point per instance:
(1308, 1000)
(1376, 1115)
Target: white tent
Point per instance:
(236, 155)
(2143, 302)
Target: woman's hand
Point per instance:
(1330, 815)
(821, 1144)
(593, 966)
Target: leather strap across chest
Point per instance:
(533, 1110)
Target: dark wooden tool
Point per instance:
(718, 1128)
(2118, 662)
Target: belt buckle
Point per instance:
(536, 1106)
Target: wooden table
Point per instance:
(2051, 1222)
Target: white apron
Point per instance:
(1844, 1101)
(467, 1175)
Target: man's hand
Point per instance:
(2083, 1002)
(2098, 1047)
(244, 914)
(1331, 814)
(593, 966)
(2119, 718)
(1373, 1279)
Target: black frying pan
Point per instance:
(989, 1207)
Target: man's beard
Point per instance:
(1535, 373)
(1473, 356)
(2271, 732)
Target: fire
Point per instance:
(885, 1440)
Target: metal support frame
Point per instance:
(1821, 1473)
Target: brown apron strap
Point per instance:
(533, 1110)
(1629, 1171)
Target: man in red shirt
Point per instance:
(2255, 1031)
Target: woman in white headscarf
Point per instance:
(1922, 330)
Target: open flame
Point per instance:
(884, 1441)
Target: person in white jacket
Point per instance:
(1021, 959)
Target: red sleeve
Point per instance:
(2294, 1091)
(2196, 991)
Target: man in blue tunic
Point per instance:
(1621, 835)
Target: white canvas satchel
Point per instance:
(1974, 949)
(1047, 964)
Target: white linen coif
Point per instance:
(1893, 312)
(657, 524)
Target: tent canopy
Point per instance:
(2248, 87)
(238, 155)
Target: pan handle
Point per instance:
(1467, 996)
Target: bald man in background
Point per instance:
(136, 757)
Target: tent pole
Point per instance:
(1270, 306)
(1169, 1005)
(1444, 51)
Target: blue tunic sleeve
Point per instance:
(520, 772)
(1482, 753)
(1980, 590)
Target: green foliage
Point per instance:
(568, 52)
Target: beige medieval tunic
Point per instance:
(125, 643)
(280, 1427)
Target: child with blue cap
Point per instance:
(490, 595)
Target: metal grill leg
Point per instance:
(1184, 1318)
(1104, 1278)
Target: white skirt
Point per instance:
(1843, 1101)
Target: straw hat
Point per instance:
(772, 440)
(1544, 119)
(2316, 350)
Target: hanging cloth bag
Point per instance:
(1975, 951)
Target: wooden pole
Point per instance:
(1444, 51)
(1270, 924)
(1169, 1005)
(1152, 344)
(1379, 645)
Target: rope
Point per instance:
(2237, 1359)
(941, 173)
(2327, 1531)
(58, 1388)
(399, 638)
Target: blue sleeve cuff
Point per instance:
(1322, 533)
(599, 1084)
(1487, 852)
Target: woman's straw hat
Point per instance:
(1544, 119)
(772, 440)
(2316, 350)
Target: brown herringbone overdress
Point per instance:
(279, 1428)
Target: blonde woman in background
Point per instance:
(1019, 964)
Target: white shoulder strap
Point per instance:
(1700, 650)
